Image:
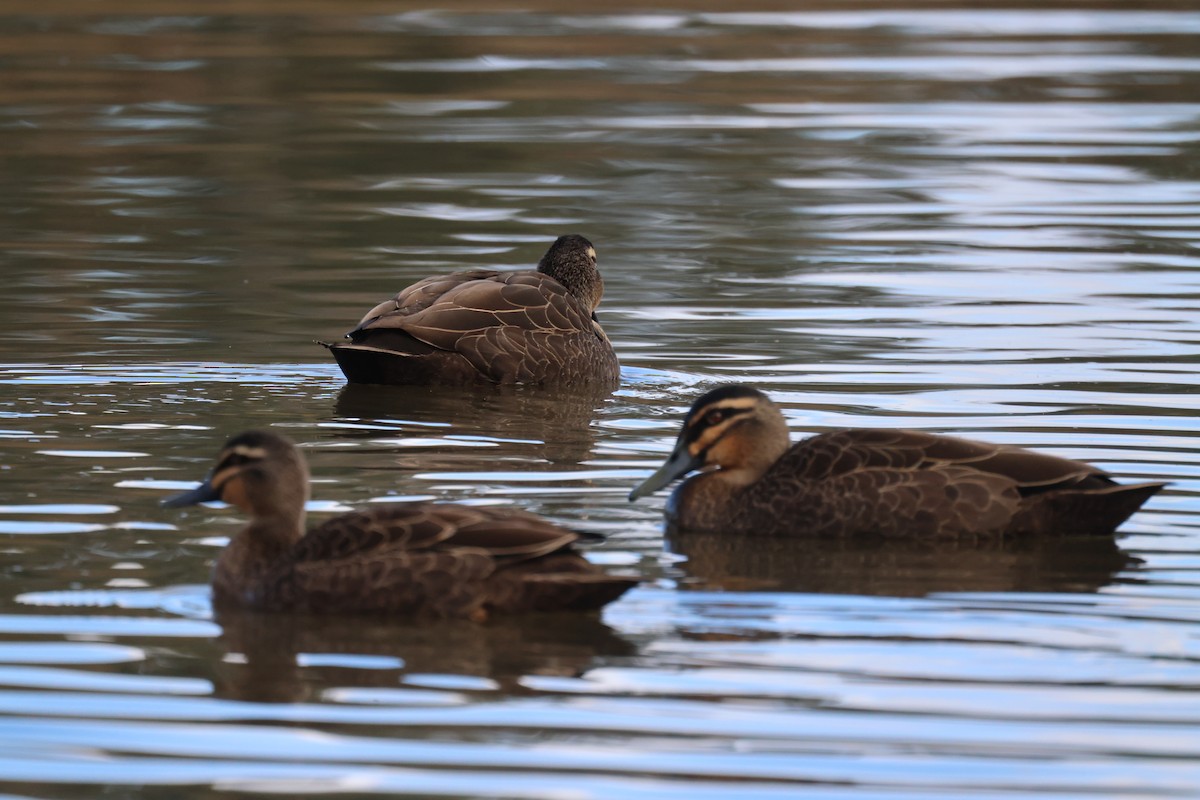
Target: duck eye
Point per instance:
(713, 417)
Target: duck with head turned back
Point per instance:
(404, 559)
(874, 482)
(484, 326)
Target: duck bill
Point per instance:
(679, 464)
(203, 493)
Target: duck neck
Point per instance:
(767, 437)
(710, 497)
(255, 550)
(580, 280)
(763, 460)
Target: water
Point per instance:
(972, 220)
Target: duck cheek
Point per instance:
(234, 493)
(725, 453)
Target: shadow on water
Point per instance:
(285, 658)
(897, 568)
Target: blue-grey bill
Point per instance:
(203, 493)
(679, 464)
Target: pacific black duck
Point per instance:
(483, 326)
(411, 559)
(892, 483)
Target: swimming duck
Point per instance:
(483, 326)
(412, 559)
(860, 482)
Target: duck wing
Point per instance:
(916, 484)
(412, 558)
(844, 452)
(498, 533)
(421, 295)
(443, 311)
(509, 327)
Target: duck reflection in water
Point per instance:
(287, 658)
(556, 427)
(901, 568)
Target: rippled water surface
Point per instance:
(980, 220)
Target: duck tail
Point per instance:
(1091, 512)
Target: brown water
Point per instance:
(981, 221)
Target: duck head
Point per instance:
(735, 429)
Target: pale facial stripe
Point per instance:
(243, 453)
(734, 404)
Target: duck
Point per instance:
(873, 482)
(411, 559)
(531, 326)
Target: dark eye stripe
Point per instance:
(712, 418)
(232, 460)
